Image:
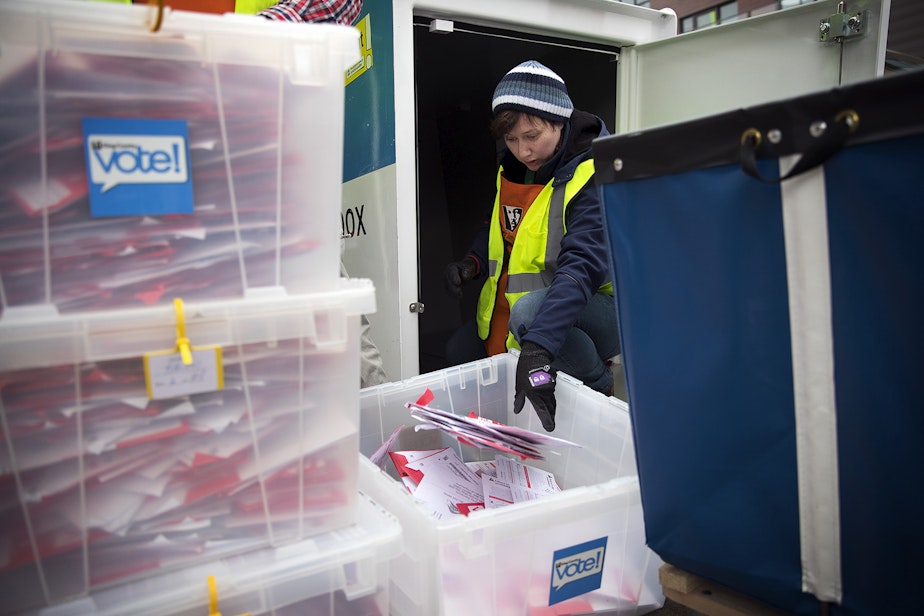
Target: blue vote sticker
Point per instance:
(577, 570)
(137, 167)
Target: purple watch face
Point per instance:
(540, 377)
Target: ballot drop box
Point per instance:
(769, 290)
(343, 572)
(145, 157)
(119, 460)
(580, 550)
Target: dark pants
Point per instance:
(464, 345)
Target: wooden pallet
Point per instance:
(709, 598)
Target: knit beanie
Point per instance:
(535, 89)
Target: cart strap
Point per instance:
(808, 274)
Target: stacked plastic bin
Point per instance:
(107, 128)
(578, 551)
(179, 358)
(343, 572)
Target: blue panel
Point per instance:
(369, 131)
(876, 238)
(704, 318)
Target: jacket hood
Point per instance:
(583, 129)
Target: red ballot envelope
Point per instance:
(403, 460)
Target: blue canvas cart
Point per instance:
(769, 267)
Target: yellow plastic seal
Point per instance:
(213, 597)
(182, 342)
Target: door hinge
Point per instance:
(416, 307)
(843, 25)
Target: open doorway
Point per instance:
(456, 74)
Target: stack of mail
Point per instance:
(253, 184)
(445, 485)
(484, 433)
(93, 471)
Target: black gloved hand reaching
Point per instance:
(458, 273)
(535, 380)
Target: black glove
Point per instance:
(536, 380)
(459, 272)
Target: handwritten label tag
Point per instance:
(167, 376)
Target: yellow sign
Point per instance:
(365, 50)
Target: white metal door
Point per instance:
(757, 60)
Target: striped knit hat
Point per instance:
(535, 89)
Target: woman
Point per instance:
(543, 251)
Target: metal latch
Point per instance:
(842, 25)
(416, 307)
(442, 26)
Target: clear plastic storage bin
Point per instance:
(100, 484)
(203, 160)
(340, 573)
(579, 551)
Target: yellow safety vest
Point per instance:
(534, 255)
